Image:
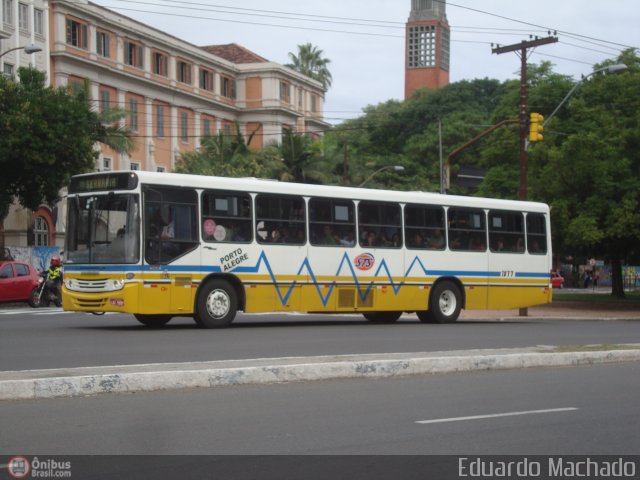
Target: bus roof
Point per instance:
(256, 185)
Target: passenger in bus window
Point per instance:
(371, 239)
(436, 240)
(455, 242)
(276, 236)
(477, 245)
(417, 241)
(535, 247)
(327, 237)
(394, 241)
(348, 240)
(168, 226)
(499, 246)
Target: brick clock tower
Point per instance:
(427, 46)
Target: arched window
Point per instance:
(41, 232)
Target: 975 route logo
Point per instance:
(364, 261)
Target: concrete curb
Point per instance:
(87, 381)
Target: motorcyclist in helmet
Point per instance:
(54, 278)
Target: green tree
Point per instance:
(592, 177)
(223, 155)
(310, 62)
(46, 136)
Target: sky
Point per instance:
(364, 39)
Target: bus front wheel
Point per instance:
(217, 305)
(445, 304)
(153, 320)
(382, 317)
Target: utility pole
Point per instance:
(524, 106)
(522, 49)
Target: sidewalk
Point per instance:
(85, 381)
(562, 310)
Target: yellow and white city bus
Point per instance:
(160, 245)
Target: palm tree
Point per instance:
(309, 62)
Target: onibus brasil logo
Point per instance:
(21, 467)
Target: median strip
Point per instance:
(86, 381)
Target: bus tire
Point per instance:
(445, 302)
(217, 304)
(382, 317)
(153, 320)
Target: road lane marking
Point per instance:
(496, 415)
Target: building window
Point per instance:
(135, 166)
(422, 46)
(106, 164)
(133, 54)
(445, 41)
(8, 12)
(184, 127)
(105, 100)
(133, 114)
(159, 120)
(38, 21)
(285, 92)
(206, 128)
(300, 98)
(160, 64)
(41, 232)
(206, 80)
(76, 34)
(227, 87)
(8, 70)
(23, 17)
(184, 72)
(314, 103)
(160, 169)
(102, 43)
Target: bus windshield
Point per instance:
(103, 228)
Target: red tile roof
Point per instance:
(234, 53)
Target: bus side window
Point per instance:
(536, 233)
(280, 219)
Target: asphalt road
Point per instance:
(581, 410)
(36, 339)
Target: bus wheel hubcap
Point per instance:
(447, 302)
(218, 303)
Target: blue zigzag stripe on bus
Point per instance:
(285, 292)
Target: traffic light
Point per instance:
(535, 128)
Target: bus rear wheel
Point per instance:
(217, 304)
(382, 317)
(153, 320)
(445, 303)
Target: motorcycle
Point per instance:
(45, 293)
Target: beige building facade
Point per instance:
(174, 93)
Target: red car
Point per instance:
(557, 280)
(17, 280)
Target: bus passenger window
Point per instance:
(536, 233)
(332, 222)
(467, 230)
(280, 219)
(424, 227)
(379, 225)
(226, 217)
(506, 232)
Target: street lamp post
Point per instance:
(27, 48)
(396, 168)
(618, 67)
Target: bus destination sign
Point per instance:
(102, 182)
